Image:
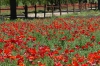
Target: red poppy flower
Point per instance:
(77, 47)
(75, 63)
(7, 51)
(72, 50)
(92, 38)
(99, 42)
(1, 58)
(12, 57)
(63, 38)
(31, 51)
(31, 58)
(67, 51)
(20, 61)
(84, 65)
(60, 57)
(81, 59)
(57, 64)
(21, 64)
(41, 64)
(1, 40)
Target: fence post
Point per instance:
(35, 11)
(85, 6)
(26, 11)
(60, 7)
(73, 7)
(91, 5)
(95, 5)
(44, 10)
(52, 6)
(67, 6)
(80, 5)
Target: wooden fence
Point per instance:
(77, 7)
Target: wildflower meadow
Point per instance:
(72, 41)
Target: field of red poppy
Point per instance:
(72, 41)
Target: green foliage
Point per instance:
(32, 2)
(5, 2)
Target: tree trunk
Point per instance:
(98, 4)
(13, 9)
(26, 11)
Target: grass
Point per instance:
(90, 13)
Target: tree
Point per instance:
(13, 9)
(5, 2)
